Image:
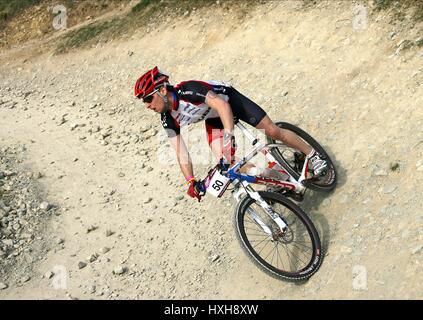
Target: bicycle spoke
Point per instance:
(296, 256)
(258, 228)
(303, 245)
(267, 255)
(259, 241)
(266, 243)
(290, 260)
(273, 254)
(277, 250)
(279, 257)
(262, 236)
(303, 253)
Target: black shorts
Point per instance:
(242, 108)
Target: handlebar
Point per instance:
(218, 178)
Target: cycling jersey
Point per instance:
(189, 106)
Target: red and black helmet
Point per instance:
(149, 82)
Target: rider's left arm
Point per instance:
(223, 109)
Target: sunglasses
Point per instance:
(149, 98)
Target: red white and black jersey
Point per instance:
(189, 105)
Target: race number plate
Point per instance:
(217, 183)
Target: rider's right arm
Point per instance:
(182, 154)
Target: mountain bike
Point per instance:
(273, 230)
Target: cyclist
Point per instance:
(220, 105)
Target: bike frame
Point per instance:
(234, 175)
(238, 180)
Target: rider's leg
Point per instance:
(251, 113)
(287, 137)
(215, 140)
(318, 164)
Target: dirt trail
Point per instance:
(346, 87)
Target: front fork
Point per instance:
(246, 188)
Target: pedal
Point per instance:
(323, 173)
(299, 159)
(299, 197)
(316, 177)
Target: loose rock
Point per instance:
(92, 258)
(104, 250)
(394, 166)
(380, 172)
(417, 249)
(389, 189)
(45, 206)
(25, 279)
(109, 233)
(91, 228)
(214, 257)
(119, 270)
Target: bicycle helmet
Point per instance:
(149, 82)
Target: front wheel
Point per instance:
(293, 160)
(294, 254)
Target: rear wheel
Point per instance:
(294, 254)
(295, 160)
